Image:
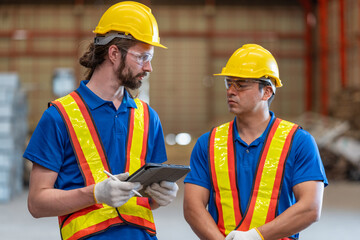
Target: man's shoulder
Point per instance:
(52, 114)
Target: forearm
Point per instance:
(202, 224)
(299, 216)
(196, 214)
(288, 223)
(54, 202)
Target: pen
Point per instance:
(116, 179)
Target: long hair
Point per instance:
(95, 54)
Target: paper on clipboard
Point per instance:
(156, 172)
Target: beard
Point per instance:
(129, 79)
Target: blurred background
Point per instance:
(315, 42)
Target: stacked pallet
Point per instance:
(346, 106)
(328, 133)
(338, 135)
(13, 133)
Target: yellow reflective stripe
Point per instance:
(131, 208)
(137, 137)
(222, 174)
(92, 157)
(84, 137)
(268, 175)
(90, 219)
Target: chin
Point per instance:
(134, 86)
(233, 110)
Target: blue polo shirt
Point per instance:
(303, 164)
(50, 147)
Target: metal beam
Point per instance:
(343, 41)
(324, 54)
(309, 81)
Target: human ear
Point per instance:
(113, 53)
(268, 92)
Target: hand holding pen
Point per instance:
(116, 179)
(115, 190)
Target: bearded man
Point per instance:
(100, 127)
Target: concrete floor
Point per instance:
(340, 218)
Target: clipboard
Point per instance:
(157, 172)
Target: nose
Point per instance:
(232, 88)
(231, 91)
(147, 67)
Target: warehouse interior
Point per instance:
(316, 44)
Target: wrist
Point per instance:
(259, 233)
(93, 194)
(153, 204)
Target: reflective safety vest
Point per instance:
(267, 183)
(92, 161)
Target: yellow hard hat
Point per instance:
(252, 61)
(127, 18)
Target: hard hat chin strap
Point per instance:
(103, 40)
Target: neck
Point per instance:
(250, 127)
(107, 88)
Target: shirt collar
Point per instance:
(94, 101)
(263, 135)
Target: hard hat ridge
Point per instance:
(129, 18)
(252, 61)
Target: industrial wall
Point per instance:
(36, 40)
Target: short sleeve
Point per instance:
(46, 146)
(308, 164)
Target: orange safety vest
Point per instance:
(92, 161)
(267, 183)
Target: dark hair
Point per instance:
(95, 55)
(261, 86)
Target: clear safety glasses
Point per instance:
(243, 83)
(141, 58)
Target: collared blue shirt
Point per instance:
(303, 164)
(50, 147)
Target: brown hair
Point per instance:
(95, 55)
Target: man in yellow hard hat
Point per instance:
(99, 129)
(257, 177)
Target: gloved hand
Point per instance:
(248, 235)
(163, 193)
(115, 192)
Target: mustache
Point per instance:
(143, 74)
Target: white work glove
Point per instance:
(115, 192)
(248, 235)
(163, 193)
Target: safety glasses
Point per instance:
(140, 58)
(242, 84)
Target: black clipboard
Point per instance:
(157, 172)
